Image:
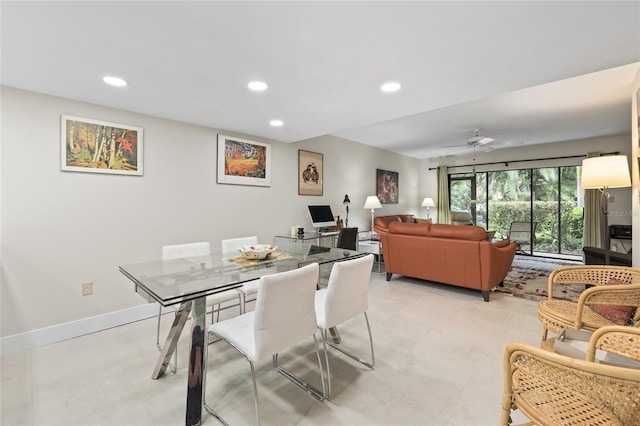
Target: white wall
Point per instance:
(59, 229)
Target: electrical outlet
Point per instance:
(87, 288)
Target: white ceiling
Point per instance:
(522, 72)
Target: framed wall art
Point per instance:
(94, 146)
(310, 173)
(243, 162)
(387, 186)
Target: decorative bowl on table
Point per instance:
(257, 251)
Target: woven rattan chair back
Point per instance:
(556, 314)
(553, 389)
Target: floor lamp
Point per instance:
(428, 202)
(372, 203)
(602, 173)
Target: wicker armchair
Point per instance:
(553, 389)
(555, 314)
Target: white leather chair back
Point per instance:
(233, 244)
(177, 251)
(347, 291)
(285, 310)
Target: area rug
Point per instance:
(527, 279)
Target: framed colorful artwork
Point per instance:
(243, 162)
(309, 173)
(94, 146)
(387, 186)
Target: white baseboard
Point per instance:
(69, 330)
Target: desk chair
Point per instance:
(348, 239)
(283, 317)
(214, 301)
(250, 288)
(345, 297)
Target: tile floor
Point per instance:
(438, 362)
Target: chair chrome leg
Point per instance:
(255, 393)
(323, 336)
(355, 357)
(311, 390)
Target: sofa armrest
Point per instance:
(502, 243)
(496, 259)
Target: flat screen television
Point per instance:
(321, 216)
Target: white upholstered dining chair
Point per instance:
(345, 297)
(249, 288)
(284, 316)
(214, 301)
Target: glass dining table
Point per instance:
(187, 282)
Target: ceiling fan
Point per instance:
(476, 141)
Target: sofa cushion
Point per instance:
(421, 229)
(619, 314)
(381, 223)
(475, 233)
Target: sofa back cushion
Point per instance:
(418, 229)
(472, 232)
(381, 223)
(439, 230)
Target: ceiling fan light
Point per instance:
(485, 140)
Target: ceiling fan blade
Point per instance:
(485, 140)
(454, 146)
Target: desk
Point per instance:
(373, 247)
(189, 281)
(308, 237)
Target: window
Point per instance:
(548, 196)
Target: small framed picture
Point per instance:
(95, 146)
(387, 186)
(243, 162)
(309, 173)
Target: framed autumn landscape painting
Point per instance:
(95, 146)
(243, 162)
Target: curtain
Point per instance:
(592, 234)
(443, 195)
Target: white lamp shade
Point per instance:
(609, 171)
(372, 202)
(428, 202)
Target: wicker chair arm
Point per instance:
(550, 388)
(618, 339)
(624, 295)
(591, 275)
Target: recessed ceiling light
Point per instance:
(276, 123)
(114, 81)
(392, 86)
(258, 86)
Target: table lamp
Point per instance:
(601, 173)
(428, 202)
(372, 203)
(346, 202)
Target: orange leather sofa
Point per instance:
(450, 254)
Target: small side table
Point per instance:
(373, 247)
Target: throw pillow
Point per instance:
(490, 235)
(616, 313)
(423, 220)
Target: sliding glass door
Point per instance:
(545, 199)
